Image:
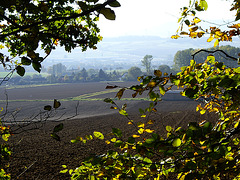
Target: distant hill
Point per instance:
(127, 51)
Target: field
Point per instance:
(37, 156)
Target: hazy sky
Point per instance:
(157, 17)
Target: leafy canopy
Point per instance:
(28, 26)
(202, 150)
(190, 24)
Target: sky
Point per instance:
(158, 17)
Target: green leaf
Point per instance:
(131, 140)
(108, 100)
(58, 128)
(236, 70)
(55, 136)
(150, 140)
(118, 143)
(123, 112)
(47, 108)
(115, 4)
(98, 135)
(108, 13)
(147, 160)
(162, 90)
(211, 59)
(20, 70)
(176, 142)
(187, 22)
(36, 66)
(169, 128)
(117, 132)
(64, 171)
(203, 4)
(56, 104)
(26, 61)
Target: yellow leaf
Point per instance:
(236, 125)
(216, 43)
(196, 20)
(135, 136)
(1, 46)
(107, 142)
(140, 125)
(56, 42)
(113, 139)
(143, 116)
(210, 39)
(175, 36)
(141, 130)
(151, 84)
(149, 130)
(150, 122)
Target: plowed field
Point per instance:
(38, 156)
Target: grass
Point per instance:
(5, 73)
(84, 97)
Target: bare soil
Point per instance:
(38, 156)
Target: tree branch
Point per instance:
(217, 50)
(74, 16)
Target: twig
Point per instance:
(26, 169)
(217, 50)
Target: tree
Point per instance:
(202, 150)
(102, 75)
(27, 26)
(133, 73)
(146, 62)
(164, 69)
(84, 74)
(57, 69)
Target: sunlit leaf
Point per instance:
(175, 36)
(135, 136)
(162, 90)
(216, 43)
(210, 39)
(203, 4)
(211, 59)
(196, 20)
(141, 130)
(176, 142)
(149, 130)
(98, 135)
(123, 112)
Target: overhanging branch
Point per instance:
(74, 16)
(217, 50)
